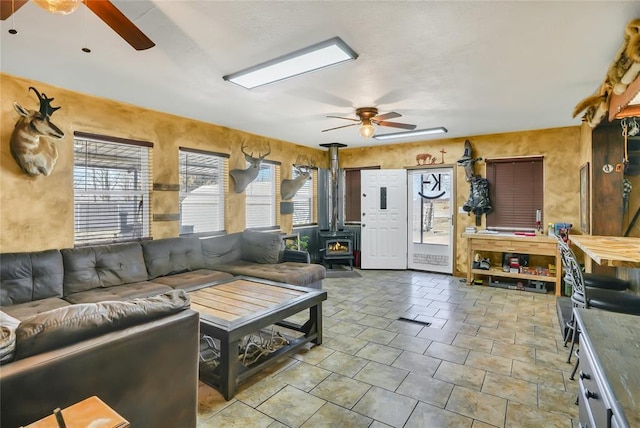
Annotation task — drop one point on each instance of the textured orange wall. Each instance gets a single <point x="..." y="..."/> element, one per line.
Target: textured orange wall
<point x="37" y="213"/>
<point x="562" y="159"/>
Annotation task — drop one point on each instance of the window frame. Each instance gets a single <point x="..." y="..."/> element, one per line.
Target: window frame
<point x="312" y="185"/>
<point x="521" y="181"/>
<point x="222" y="186"/>
<point x="138" y="230"/>
<point x="275" y="166"/>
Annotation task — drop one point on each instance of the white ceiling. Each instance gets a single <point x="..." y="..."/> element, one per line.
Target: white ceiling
<point x="473" y="67"/>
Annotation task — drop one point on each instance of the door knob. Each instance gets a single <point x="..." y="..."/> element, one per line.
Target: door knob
<point x="363" y="225"/>
<point x="364" y="214"/>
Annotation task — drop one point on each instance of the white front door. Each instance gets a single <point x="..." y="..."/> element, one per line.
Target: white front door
<point x="430" y="208"/>
<point x="384" y="219"/>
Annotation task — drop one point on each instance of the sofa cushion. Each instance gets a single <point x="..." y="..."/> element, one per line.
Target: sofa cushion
<point x="8" y="326"/>
<point x="262" y="247"/>
<point x="122" y="292"/>
<point x="172" y="255"/>
<point x="194" y="280"/>
<point x="26" y="310"/>
<point x="71" y="324"/>
<point x="222" y="249"/>
<point x="97" y="266"/>
<point x="30" y="276"/>
<point x="301" y="274"/>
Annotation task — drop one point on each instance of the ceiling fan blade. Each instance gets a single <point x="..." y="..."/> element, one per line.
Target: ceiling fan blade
<point x="390" y="115"/>
<point x="345" y="118"/>
<point x="338" y="127"/>
<point x="395" y="125"/>
<point x="7" y="8"/>
<point x="115" y="19"/>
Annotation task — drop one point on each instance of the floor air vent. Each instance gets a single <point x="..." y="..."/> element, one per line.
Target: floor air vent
<point x="424" y="323"/>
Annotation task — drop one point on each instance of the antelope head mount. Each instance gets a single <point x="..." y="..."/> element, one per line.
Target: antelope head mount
<point x="244" y="177"/>
<point x="290" y="187"/>
<point x="32" y="152"/>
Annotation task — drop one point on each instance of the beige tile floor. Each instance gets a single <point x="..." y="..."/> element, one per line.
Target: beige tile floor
<point x="491" y="358"/>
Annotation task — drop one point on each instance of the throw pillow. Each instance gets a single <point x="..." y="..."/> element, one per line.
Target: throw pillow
<point x="261" y="247"/>
<point x="71" y="324"/>
<point x="8" y="326"/>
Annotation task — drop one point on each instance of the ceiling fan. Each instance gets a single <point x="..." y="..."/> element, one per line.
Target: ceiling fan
<point x="105" y="10"/>
<point x="368" y="116"/>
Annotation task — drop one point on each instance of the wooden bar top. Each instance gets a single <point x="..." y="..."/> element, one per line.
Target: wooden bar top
<point x="610" y="250"/>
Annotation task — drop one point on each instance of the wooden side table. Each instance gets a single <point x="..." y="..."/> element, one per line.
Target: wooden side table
<point x="90" y="412"/>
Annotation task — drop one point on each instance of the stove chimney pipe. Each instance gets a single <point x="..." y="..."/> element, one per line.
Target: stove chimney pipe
<point x="334" y="171"/>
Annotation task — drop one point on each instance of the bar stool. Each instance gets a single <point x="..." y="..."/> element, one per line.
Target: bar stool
<point x="587" y="297"/>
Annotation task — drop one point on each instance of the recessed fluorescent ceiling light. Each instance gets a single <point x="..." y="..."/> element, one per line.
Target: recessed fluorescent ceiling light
<point x="429" y="131"/>
<point x="321" y="55"/>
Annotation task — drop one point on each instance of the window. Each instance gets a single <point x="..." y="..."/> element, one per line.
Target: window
<point x="515" y="192"/>
<point x="303" y="200"/>
<point x="352" y="194"/>
<point x="202" y="191"/>
<point x="112" y="188"/>
<point x="261" y="197"/>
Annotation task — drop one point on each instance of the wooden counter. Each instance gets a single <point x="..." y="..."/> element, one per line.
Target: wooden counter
<point x="509" y="243"/>
<point x="609" y="368"/>
<point x="609" y="250"/>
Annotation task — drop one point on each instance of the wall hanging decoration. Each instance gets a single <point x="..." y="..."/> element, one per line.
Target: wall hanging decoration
<point x="289" y="187"/>
<point x="243" y="177"/>
<point x="429" y="159"/>
<point x="478" y="201"/>
<point x="624" y="69"/>
<point x="31" y="149"/>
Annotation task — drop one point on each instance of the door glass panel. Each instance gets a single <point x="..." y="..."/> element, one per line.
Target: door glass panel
<point x="431" y="199"/>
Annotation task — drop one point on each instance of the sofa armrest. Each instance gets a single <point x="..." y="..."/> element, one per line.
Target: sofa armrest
<point x="296" y="256"/>
<point x="128" y="369"/>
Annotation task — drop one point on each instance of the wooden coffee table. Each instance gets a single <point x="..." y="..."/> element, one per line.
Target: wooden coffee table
<point x="241" y="306"/>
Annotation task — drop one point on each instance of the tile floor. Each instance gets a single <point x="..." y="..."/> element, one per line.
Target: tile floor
<point x="491" y="358"/>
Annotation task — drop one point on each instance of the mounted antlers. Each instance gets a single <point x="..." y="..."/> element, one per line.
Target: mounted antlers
<point x="33" y="154"/>
<point x="289" y="187"/>
<point x="243" y="177"/>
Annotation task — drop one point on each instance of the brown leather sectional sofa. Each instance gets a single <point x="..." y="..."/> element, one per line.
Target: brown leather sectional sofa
<point x="148" y="371"/>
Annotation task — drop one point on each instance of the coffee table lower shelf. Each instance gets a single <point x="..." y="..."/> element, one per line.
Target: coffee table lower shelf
<point x="214" y="379"/>
<point x="244" y="306"/>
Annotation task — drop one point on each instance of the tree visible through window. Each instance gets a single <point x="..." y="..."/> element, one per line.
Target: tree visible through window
<point x="112" y="188"/>
<point x="515" y="191"/>
<point x="202" y="191"/>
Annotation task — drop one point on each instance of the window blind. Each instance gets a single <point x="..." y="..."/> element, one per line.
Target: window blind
<point x="261" y="198"/>
<point x="515" y="191"/>
<point x="303" y="200"/>
<point x="202" y="191"/>
<point x="112" y="189"/>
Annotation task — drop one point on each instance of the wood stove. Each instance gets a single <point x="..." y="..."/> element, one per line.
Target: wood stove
<point x="336" y="246"/>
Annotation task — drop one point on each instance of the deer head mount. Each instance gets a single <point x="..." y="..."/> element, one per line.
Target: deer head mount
<point x="32" y="152"/>
<point x="244" y="177"/>
<point x="289" y="187"/>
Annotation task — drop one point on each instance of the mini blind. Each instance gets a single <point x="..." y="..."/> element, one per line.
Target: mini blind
<point x="112" y="189"/>
<point x="202" y="191"/>
<point x="515" y="191"/>
<point x="303" y="200"/>
<point x="261" y="198"/>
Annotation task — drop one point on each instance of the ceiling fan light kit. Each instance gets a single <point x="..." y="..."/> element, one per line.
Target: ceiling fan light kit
<point x="316" y="57"/>
<point x="367" y="130"/>
<point x="418" y="132"/>
<point x="62" y="7"/>
<point x="367" y="117"/>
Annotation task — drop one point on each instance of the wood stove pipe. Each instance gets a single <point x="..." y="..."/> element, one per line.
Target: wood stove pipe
<point x="334" y="170"/>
